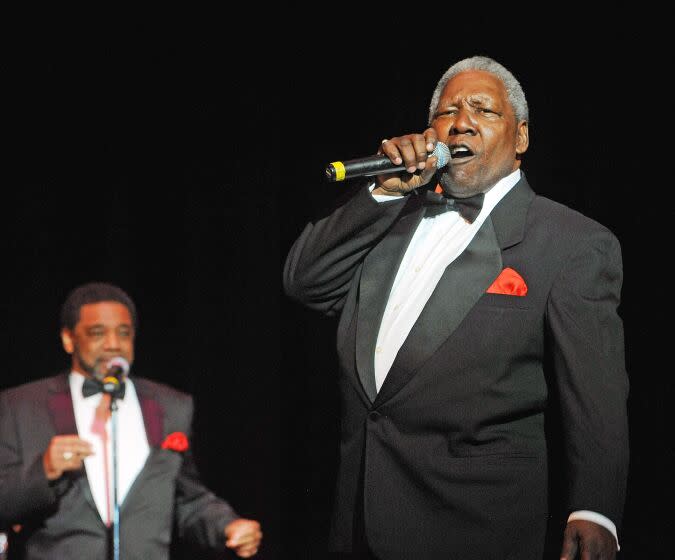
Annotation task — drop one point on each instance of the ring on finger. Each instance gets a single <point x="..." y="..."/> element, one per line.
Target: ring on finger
<point x="67" y="455"/>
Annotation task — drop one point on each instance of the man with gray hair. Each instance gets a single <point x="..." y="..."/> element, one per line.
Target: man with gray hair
<point x="474" y="315"/>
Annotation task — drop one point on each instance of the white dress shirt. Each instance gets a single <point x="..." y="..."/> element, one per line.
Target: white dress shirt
<point x="133" y="448"/>
<point x="437" y="241"/>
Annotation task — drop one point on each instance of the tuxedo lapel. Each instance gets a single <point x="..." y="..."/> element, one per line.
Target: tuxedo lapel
<point x="60" y="405"/>
<point x="461" y="286"/>
<point x="463" y="282"/>
<point x="510" y="215"/>
<point x="153" y="413"/>
<point x="135" y="493"/>
<point x="153" y="419"/>
<point x="377" y="278"/>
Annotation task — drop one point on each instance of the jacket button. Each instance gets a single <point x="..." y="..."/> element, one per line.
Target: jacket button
<point x="374" y="415"/>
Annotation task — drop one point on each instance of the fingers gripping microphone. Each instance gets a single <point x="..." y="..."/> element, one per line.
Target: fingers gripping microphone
<point x="116" y="371"/>
<point x="375" y="165"/>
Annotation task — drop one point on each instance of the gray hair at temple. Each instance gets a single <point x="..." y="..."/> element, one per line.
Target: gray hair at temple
<point x="513" y="88"/>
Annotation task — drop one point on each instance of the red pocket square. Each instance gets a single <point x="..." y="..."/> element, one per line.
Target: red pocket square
<point x="509" y="283"/>
<point x="177" y="441"/>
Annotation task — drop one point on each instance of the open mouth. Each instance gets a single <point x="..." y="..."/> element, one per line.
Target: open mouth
<point x="459" y="152"/>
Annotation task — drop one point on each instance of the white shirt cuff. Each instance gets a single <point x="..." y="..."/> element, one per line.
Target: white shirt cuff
<point x="598" y="518"/>
<point x="383" y="197"/>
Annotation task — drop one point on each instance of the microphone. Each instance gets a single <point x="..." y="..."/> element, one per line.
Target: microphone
<point x="117" y="369"/>
<point x="375" y="165"/>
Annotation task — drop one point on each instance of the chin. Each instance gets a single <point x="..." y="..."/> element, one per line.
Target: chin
<point x="460" y="187"/>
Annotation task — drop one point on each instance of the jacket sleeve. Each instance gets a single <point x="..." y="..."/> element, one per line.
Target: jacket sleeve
<point x="322" y="262"/>
<point x="200" y="515"/>
<point x="25" y="491"/>
<point x="589" y="371"/>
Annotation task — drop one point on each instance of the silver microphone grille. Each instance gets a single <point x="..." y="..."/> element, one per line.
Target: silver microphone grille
<point x="442" y="152"/>
<point x="120" y="364"/>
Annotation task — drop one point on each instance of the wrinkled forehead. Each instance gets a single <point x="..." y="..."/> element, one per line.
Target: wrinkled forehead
<point x="475" y="85"/>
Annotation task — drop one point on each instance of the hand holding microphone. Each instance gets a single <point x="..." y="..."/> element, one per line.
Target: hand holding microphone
<point x="419" y="155"/>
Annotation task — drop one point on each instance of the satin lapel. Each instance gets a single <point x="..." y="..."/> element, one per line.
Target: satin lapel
<point x="60" y="404"/>
<point x="135" y="492"/>
<point x="153" y="418"/>
<point x="377" y="278"/>
<point x="510" y="215"/>
<point x="153" y="413"/>
<point x="462" y="284"/>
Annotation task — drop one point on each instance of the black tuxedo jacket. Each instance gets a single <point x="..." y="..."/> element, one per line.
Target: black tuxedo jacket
<point x="60" y="519"/>
<point x="449" y="459"/>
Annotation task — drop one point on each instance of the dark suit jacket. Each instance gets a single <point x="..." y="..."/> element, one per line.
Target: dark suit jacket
<point x="452" y="452"/>
<point x="61" y="520"/>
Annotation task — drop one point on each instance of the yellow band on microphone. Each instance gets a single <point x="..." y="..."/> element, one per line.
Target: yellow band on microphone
<point x="339" y="170"/>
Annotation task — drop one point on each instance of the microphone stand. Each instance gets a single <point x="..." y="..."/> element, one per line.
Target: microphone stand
<point x="114" y="393"/>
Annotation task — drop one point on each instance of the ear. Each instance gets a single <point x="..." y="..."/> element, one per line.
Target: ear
<point x="522" y="138"/>
<point x="67" y="340"/>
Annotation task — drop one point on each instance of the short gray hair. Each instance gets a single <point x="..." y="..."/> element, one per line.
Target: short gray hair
<point x="513" y="88"/>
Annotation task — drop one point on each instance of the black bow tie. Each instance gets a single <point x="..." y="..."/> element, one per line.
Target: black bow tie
<point x="92" y="386"/>
<point x="468" y="208"/>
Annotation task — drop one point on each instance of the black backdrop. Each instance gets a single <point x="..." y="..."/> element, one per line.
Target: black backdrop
<point x="178" y="160"/>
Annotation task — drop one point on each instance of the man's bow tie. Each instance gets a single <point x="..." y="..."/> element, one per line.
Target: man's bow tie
<point x="92" y="386"/>
<point x="437" y="203"/>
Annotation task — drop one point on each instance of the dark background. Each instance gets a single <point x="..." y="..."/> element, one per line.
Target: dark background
<point x="180" y="159"/>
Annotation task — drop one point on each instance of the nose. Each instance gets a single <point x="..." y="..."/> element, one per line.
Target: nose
<point x="463" y="123"/>
<point x="112" y="340"/>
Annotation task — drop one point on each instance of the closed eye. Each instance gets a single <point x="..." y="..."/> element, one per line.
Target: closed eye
<point x="488" y="112"/>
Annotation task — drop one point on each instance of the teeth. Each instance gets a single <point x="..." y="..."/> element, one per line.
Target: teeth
<point x="459" y="150"/>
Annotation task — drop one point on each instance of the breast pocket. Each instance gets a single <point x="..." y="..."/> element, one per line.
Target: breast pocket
<point x="504" y="301"/>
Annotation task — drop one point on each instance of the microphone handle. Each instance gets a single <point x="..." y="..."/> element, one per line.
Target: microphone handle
<point x="111" y="384"/>
<point x="362" y="167"/>
<point x="377" y="164"/>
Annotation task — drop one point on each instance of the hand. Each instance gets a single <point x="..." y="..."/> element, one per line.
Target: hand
<point x="243" y="536"/>
<point x="412" y="151"/>
<point x="65" y="453"/>
<point x="586" y="540"/>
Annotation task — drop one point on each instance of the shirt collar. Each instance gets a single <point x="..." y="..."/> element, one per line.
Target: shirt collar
<point x="496" y="193"/>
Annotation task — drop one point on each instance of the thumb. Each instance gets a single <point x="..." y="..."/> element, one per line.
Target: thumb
<point x="232" y="534"/>
<point x="428" y="172"/>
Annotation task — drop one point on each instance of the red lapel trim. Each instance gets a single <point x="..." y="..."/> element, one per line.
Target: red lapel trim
<point x="60" y="405"/>
<point x="153" y="417"/>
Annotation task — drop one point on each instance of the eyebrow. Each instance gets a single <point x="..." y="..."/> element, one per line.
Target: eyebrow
<point x="101" y="326"/>
<point x="476" y="99"/>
